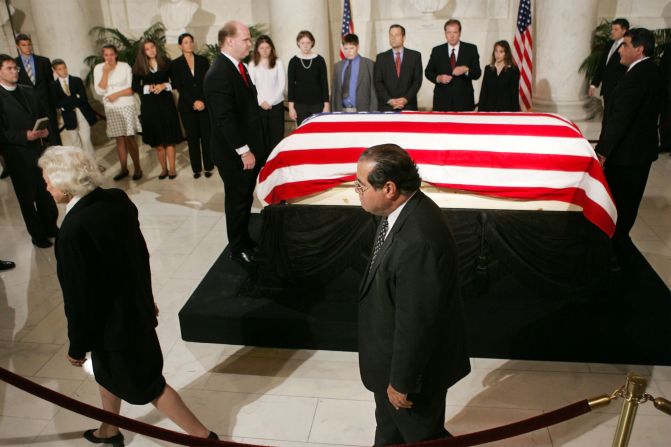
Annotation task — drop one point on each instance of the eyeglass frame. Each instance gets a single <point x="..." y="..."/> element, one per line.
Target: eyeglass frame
<point x="359" y="188"/>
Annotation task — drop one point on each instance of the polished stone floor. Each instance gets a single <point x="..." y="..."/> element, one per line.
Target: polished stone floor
<point x="276" y="396"/>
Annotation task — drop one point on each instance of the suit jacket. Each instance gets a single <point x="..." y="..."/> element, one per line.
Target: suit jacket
<point x="234" y="114"/>
<point x="366" y="99"/>
<point x="608" y="73"/>
<point x="43" y="77"/>
<point x="15" y="120"/>
<point x="103" y="269"/>
<point x="457" y="96"/>
<point x="190" y="86"/>
<point x="411" y="322"/>
<point x="388" y="85"/>
<point x="629" y="136"/>
<point x="67" y="104"/>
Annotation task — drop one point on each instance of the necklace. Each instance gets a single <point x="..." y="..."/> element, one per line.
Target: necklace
<point x="309" y="64"/>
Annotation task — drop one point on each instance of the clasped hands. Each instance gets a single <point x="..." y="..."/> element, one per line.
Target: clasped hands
<point x="156" y="88"/>
<point x="457" y="71"/>
<point x="397" y="399"/>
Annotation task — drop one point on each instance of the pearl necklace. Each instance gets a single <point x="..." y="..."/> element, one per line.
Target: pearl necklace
<point x="309" y="65"/>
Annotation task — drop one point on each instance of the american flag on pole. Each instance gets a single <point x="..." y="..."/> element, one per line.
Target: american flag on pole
<point x="523" y="52"/>
<point x="520" y="156"/>
<point x="347" y="24"/>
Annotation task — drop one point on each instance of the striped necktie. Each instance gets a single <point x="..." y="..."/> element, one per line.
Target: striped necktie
<point x="379" y="239"/>
<point x="30" y="72"/>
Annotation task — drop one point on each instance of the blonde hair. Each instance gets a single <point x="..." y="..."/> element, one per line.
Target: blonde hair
<point x="70" y="169"/>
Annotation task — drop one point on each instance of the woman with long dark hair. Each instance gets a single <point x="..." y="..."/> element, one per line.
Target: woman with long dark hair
<point x="267" y="73"/>
<point x="160" y="123"/>
<point x="501" y="82"/>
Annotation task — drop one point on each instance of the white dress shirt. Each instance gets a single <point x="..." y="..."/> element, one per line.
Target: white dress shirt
<point x="269" y="82"/>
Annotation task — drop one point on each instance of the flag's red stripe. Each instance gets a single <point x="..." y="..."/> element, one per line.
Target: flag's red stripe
<point x="438" y="128"/>
<point x="292" y="190"/>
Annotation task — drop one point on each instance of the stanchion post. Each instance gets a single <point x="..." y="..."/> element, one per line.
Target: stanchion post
<point x="633" y="393"/>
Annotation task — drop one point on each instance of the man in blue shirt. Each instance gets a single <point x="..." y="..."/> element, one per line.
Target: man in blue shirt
<point x="352" y="89"/>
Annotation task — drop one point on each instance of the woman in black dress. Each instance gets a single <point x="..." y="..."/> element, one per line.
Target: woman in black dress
<point x="103" y="269"/>
<point x="158" y="115"/>
<point x="307" y="80"/>
<point x="187" y="73"/>
<point x="501" y="82"/>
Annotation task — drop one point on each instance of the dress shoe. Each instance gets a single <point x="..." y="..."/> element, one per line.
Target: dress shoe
<point x="247" y="257"/>
<point x="196" y="175"/>
<point x="42" y="243"/>
<point x="137" y="175"/>
<point x="213" y="435"/>
<point x="7" y="265"/>
<point x="172" y="176"/>
<point x="120" y="175"/>
<point x="208" y="174"/>
<point x="115" y="441"/>
<point x="162" y="175"/>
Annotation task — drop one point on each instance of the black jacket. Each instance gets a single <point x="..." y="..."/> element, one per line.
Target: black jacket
<point x="43" y="77"/>
<point x="411" y="321"/>
<point x="388" y="85"/>
<point x="457" y="96"/>
<point x="103" y="269"/>
<point x="629" y="136"/>
<point x="607" y="74"/>
<point x="190" y="86"/>
<point x="500" y="92"/>
<point x="16" y="120"/>
<point x="77" y="99"/>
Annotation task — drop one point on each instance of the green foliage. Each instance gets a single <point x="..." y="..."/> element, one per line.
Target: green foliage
<point x="127" y="47"/>
<point x="211" y="50"/>
<point x="601" y="39"/>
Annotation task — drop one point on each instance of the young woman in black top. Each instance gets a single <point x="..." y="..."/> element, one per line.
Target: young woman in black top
<point x="501" y="82"/>
<point x="308" y="82"/>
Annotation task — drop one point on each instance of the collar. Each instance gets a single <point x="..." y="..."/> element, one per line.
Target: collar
<point x="231" y="58"/>
<point x="73" y="201"/>
<point x="8" y="88"/>
<point x="311" y="55"/>
<point x="26" y="58"/>
<point x="65" y="79"/>
<point x="400" y="51"/>
<point x="636" y="62"/>
<point x="456" y="47"/>
<point x="393" y="217"/>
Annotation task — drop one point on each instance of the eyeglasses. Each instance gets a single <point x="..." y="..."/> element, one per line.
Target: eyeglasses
<point x="359" y="188"/>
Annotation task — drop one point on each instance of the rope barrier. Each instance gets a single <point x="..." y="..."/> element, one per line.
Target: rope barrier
<point x="471" y="439"/>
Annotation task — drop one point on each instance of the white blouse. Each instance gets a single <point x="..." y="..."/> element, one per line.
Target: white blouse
<point x="269" y="82"/>
<point x="119" y="79"/>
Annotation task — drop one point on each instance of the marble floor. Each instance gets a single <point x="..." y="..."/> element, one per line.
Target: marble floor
<point x="277" y="396"/>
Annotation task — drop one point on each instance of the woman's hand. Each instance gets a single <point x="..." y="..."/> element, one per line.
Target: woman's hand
<point x="292" y="112"/>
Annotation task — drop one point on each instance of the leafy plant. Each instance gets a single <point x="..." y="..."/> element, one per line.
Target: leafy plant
<point x="127" y="47"/>
<point x="211" y="50"/>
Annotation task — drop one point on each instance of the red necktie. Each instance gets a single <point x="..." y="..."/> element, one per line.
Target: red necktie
<point x="453" y="60"/>
<point x="242" y="73"/>
<point x="397" y="62"/>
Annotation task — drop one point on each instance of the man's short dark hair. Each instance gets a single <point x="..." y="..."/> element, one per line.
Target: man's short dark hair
<point x="352" y="39"/>
<point x="392" y="164"/>
<point x="624" y="23"/>
<point x="22" y="37"/>
<point x="230" y="29"/>
<point x="56" y="62"/>
<point x="4" y="58"/>
<point x="642" y="36"/>
<point x="182" y="36"/>
<point x="396" y="25"/>
<point x="452" y="22"/>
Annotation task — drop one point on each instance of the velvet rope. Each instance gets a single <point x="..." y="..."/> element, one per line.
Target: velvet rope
<point x="471" y="439"/>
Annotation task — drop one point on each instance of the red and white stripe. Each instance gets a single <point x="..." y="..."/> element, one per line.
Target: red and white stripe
<point x="523" y="52"/>
<point x="524" y="156"/>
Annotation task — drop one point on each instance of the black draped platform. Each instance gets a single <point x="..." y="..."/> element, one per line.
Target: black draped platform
<point x="536" y="285"/>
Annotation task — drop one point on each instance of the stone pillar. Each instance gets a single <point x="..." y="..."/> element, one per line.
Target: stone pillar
<point x="288" y="17"/>
<point x="562" y="41"/>
<point x="62" y="31"/>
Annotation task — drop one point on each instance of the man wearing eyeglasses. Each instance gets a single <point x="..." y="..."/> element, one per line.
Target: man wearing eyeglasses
<point x="411" y="335"/>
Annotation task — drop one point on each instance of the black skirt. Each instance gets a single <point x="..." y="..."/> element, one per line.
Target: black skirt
<point x="134" y="374"/>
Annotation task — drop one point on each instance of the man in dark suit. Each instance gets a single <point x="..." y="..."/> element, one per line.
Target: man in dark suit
<point x="237" y="149"/>
<point x="398" y="74"/>
<point x="453" y="66"/>
<point x="665" y="119"/>
<point x="69" y="95"/>
<point x="610" y="70"/>
<point x="19" y="110"/>
<point x="411" y="329"/>
<point x="628" y="142"/>
<point x="35" y="71"/>
<point x="352" y="88"/>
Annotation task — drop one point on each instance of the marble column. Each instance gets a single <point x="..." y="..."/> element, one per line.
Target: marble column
<point x="62" y="31"/>
<point x="563" y="33"/>
<point x="288" y="17"/>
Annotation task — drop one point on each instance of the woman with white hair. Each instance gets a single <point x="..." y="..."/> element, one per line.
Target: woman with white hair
<point x="103" y="269"/>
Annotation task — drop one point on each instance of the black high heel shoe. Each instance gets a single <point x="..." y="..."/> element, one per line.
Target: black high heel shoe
<point x="162" y="175"/>
<point x="114" y="441"/>
<point x="120" y="175"/>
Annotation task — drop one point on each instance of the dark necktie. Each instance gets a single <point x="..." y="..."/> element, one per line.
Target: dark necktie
<point x="453" y="60"/>
<point x="242" y="73"/>
<point x="345" y="81"/>
<point x="397" y="62"/>
<point x="379" y="239"/>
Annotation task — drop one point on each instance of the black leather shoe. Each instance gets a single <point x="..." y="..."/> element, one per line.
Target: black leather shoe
<point x="196" y="175"/>
<point x="137" y="175"/>
<point x="247" y="257"/>
<point x="208" y="174"/>
<point x="42" y="243"/>
<point x="213" y="435"/>
<point x="115" y="441"/>
<point x="120" y="175"/>
<point x="172" y="176"/>
<point x="162" y="175"/>
<point x="7" y="265"/>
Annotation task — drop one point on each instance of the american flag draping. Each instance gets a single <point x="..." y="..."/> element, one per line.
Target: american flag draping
<point x="523" y="52"/>
<point x="524" y="156"/>
<point x="347" y="24"/>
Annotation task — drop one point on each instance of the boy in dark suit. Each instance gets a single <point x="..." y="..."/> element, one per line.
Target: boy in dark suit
<point x="69" y="96"/>
<point x="610" y="70"/>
